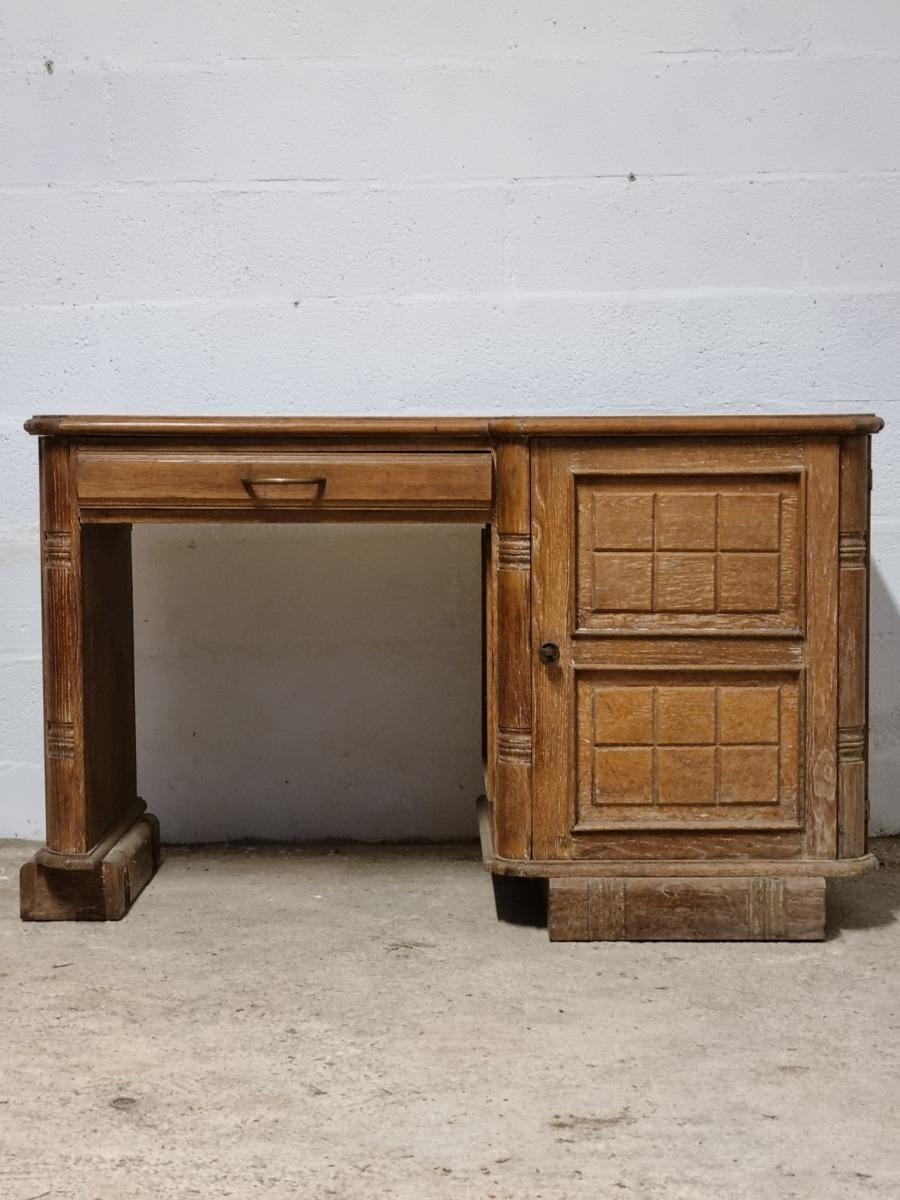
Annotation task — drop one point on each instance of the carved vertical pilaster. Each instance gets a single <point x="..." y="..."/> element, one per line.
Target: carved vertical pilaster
<point x="853" y="635"/>
<point x="512" y="663"/>
<point x="63" y="668"/>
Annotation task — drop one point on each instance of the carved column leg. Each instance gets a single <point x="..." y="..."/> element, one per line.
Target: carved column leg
<point x="853" y="634"/>
<point x="101" y="847"/>
<point x="512" y="658"/>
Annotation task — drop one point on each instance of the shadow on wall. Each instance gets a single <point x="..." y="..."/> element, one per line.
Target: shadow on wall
<point x="884" y="706"/>
<point x="315" y="681"/>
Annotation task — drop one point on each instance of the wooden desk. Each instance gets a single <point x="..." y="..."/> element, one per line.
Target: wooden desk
<point x="676" y="641"/>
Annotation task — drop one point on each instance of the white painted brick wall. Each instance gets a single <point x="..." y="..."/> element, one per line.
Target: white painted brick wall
<point x="421" y="208"/>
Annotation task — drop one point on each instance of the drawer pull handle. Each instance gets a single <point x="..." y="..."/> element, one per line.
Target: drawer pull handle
<point x="250" y="485"/>
<point x="549" y="652"/>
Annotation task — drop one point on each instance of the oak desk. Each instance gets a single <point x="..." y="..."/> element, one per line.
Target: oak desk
<point x="675" y="644"/>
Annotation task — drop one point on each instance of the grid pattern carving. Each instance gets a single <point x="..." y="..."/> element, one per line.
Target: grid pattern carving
<point x="705" y="746"/>
<point x="686" y="551"/>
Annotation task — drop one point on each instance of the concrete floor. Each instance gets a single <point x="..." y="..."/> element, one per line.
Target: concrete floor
<point x="297" y="1023"/>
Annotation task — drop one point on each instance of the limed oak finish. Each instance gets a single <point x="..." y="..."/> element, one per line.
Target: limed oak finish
<point x="675" y="645"/>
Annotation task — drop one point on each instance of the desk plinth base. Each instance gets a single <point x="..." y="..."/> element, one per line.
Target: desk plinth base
<point x="98" y="887"/>
<point x="665" y="901"/>
<point x="737" y="909"/>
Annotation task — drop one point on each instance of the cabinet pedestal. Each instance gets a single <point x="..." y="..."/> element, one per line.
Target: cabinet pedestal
<point x="760" y="909"/>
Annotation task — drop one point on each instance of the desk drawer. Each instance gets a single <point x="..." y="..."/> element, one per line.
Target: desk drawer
<point x="231" y="479"/>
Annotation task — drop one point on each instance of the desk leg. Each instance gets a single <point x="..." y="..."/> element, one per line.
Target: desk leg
<point x="101" y="847"/>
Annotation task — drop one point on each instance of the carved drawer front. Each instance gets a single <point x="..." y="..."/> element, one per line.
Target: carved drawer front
<point x="262" y="480"/>
<point x="664" y="749"/>
<point x="688" y="554"/>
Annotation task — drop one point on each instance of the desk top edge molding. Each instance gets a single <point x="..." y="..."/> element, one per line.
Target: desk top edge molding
<point x="113" y="426"/>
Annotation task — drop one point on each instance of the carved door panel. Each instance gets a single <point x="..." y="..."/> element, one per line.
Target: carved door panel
<point x="690" y="587"/>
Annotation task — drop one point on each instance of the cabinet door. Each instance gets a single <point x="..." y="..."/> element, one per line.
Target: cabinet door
<point x="691" y="588"/>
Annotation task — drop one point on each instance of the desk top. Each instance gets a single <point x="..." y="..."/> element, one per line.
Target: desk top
<point x="464" y="427"/>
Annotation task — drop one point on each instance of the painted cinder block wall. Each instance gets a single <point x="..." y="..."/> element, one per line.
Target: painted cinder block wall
<point x="416" y="207"/>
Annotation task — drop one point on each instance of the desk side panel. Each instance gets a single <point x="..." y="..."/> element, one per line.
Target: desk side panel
<point x="88" y="664"/>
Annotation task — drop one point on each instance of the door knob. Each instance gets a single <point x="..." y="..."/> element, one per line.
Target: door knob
<point x="549" y="652"/>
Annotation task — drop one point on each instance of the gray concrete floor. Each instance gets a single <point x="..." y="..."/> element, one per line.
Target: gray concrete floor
<point x="282" y="1023"/>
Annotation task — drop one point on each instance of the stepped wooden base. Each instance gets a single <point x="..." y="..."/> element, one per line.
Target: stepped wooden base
<point x="91" y="887"/>
<point x="759" y="906"/>
<point x="760" y="909"/>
